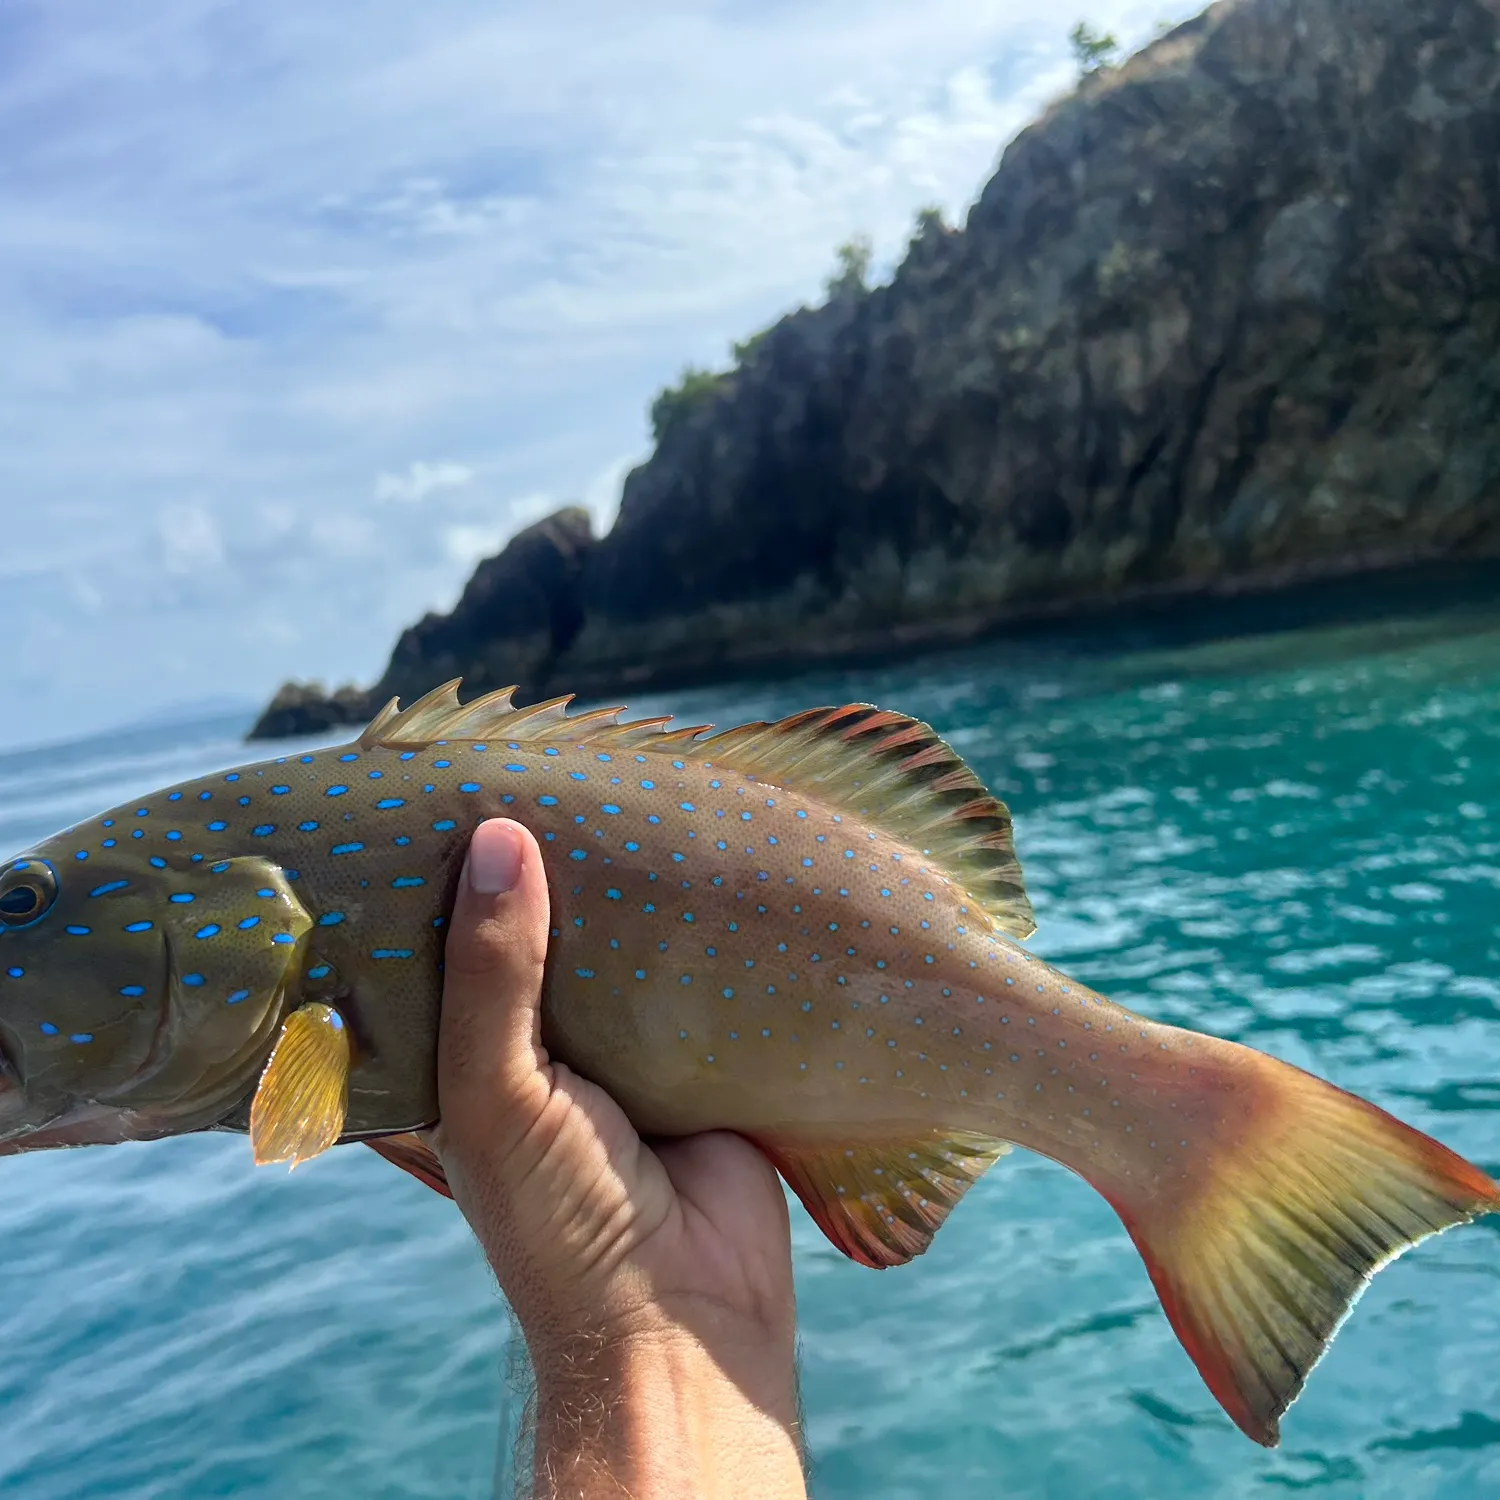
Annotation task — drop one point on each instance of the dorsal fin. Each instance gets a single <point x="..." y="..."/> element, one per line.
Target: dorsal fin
<point x="890" y="770"/>
<point x="896" y="774"/>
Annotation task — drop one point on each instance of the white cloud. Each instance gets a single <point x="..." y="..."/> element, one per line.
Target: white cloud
<point x="190" y="542"/>
<point x="420" y="480"/>
<point x="254" y="256"/>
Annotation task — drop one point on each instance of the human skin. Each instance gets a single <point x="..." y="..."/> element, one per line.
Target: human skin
<point x="653" y="1284"/>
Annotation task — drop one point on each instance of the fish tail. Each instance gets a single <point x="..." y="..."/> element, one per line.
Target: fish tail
<point x="1304" y="1193"/>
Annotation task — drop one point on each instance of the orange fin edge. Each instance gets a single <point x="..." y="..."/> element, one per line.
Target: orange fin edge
<point x="412" y="1154"/>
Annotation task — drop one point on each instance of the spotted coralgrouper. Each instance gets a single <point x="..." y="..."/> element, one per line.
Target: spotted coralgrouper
<point x="808" y="932"/>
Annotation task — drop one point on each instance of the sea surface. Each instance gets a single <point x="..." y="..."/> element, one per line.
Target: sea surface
<point x="1278" y="823"/>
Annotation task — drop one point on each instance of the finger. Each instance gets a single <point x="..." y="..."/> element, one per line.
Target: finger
<point x="493" y="965"/>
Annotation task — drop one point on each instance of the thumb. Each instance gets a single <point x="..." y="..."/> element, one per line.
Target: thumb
<point x="489" y="1050"/>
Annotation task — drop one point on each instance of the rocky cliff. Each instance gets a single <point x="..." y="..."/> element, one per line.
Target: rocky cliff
<point x="1228" y="315"/>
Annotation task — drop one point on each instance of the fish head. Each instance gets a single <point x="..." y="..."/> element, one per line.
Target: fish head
<point x="109" y="1028"/>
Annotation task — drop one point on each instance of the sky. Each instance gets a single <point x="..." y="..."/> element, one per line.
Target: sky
<point x="306" y="308"/>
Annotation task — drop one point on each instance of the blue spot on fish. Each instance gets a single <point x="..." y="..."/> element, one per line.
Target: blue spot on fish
<point x="137" y="927"/>
<point x="353" y="848"/>
<point x="320" y="971"/>
<point x="261" y="830"/>
<point x="81" y="1037"/>
<point x="212" y="930"/>
<point x="330" y="919"/>
<point x="514" y="765"/>
<point x="248" y="923"/>
<point x="218" y="826"/>
<point x="443" y="825"/>
<point x="609" y="809"/>
<point x="391" y="802"/>
<point x="193" y="979"/>
<point x="631" y="845"/>
<point x="687" y="807"/>
<point x="403" y="882"/>
<point x="280" y="791"/>
<point x="468" y="786"/>
<point x="578" y="854"/>
<point x="547" y="800"/>
<point x="77" y="931"/>
<point x="442" y="765"/>
<point x="352" y="755"/>
<point x="309" y="826"/>
<point x="584" y="973"/>
<point x="113" y="885"/>
<point x="16" y="972"/>
<point x="282" y="937"/>
<point x="48" y="1029"/>
<point x="236" y="997"/>
<point x="578" y="775"/>
<point x="337" y="790"/>
<point x="391" y="952"/>
<point x="611" y="894"/>
<point x="182" y="898"/>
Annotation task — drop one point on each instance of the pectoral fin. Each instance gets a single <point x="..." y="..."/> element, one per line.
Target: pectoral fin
<point x="300" y="1103"/>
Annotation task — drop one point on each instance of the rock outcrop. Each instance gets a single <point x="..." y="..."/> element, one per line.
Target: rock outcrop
<point x="1227" y="316"/>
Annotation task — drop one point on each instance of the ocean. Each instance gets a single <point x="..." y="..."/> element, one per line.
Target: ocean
<point x="1278" y="821"/>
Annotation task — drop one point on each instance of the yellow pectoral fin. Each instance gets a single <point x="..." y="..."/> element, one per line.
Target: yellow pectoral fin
<point x="300" y="1102"/>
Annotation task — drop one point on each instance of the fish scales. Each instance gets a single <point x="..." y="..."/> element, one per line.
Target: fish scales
<point x="801" y="931"/>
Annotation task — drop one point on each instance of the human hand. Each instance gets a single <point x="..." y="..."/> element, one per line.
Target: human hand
<point x="653" y="1287"/>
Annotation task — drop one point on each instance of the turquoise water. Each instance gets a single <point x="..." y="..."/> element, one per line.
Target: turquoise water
<point x="1289" y="837"/>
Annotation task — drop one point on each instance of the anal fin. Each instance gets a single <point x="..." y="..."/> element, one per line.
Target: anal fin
<point x="412" y="1154"/>
<point x="882" y="1202"/>
<point x="300" y="1102"/>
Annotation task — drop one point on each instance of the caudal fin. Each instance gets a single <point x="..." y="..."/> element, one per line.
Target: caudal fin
<point x="1260" y="1261"/>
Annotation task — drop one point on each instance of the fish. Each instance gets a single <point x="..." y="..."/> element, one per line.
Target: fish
<point x="809" y="932"/>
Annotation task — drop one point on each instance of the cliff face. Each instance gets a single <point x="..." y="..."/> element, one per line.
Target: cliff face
<point x="1228" y="315"/>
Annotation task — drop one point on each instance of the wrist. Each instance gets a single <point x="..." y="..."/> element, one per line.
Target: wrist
<point x="700" y="1408"/>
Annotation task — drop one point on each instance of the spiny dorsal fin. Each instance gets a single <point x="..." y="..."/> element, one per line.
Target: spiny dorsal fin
<point x="890" y="770"/>
<point x="881" y="1203"/>
<point x="439" y="715"/>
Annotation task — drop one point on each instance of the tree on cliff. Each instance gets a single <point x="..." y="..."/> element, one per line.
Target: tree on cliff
<point x="673" y="402"/>
<point x="853" y="258"/>
<point x="1092" y="50"/>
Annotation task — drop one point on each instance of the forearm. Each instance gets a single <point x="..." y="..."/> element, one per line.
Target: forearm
<point x="659" y="1418"/>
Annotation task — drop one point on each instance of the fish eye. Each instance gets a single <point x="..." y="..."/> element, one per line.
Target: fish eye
<point x="27" y="888"/>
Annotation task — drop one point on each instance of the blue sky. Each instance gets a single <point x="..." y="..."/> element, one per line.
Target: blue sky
<point x="305" y="308"/>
